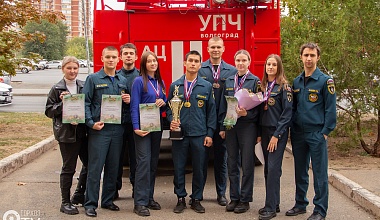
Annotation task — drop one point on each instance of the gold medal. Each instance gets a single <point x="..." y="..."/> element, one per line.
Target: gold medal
<point x="216" y="85"/>
<point x="187" y="104"/>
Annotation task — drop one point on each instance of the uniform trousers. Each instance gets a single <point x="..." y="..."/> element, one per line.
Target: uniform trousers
<point x="272" y="167"/>
<point x="240" y="142"/>
<point x="306" y="145"/>
<point x="219" y="150"/>
<point x="147" y="153"/>
<point x="129" y="145"/>
<point x="198" y="151"/>
<point x="104" y="148"/>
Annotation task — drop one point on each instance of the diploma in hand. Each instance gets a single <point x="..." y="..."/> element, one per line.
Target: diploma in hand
<point x="175" y="105"/>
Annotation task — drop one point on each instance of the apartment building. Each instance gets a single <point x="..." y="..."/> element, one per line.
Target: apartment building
<point x="78" y="14"/>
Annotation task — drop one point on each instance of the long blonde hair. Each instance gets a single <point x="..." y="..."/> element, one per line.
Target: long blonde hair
<point x="280" y="75"/>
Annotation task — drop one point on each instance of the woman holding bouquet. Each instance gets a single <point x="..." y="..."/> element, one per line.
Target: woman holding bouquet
<point x="241" y="137"/>
<point x="275" y="116"/>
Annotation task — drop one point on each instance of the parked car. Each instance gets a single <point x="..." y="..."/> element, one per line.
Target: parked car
<point x="6" y="94"/>
<point x="37" y="66"/>
<point x="43" y="63"/>
<point x="5" y="78"/>
<point x="54" y="64"/>
<point x="23" y="68"/>
<point x="82" y="63"/>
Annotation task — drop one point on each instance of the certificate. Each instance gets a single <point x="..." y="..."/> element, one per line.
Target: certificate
<point x="231" y="115"/>
<point x="73" y="109"/>
<point x="110" y="111"/>
<point x="150" y="117"/>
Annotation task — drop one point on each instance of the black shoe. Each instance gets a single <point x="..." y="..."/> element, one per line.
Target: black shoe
<point x="316" y="216"/>
<point x="111" y="207"/>
<point x="77" y="198"/>
<point x="154" y="205"/>
<point x="141" y="210"/>
<point x="267" y="215"/>
<point x="116" y="196"/>
<point x="222" y="201"/>
<point x="181" y="205"/>
<point x="263" y="209"/>
<point x="241" y="207"/>
<point x="196" y="206"/>
<point x="295" y="211"/>
<point x="91" y="212"/>
<point x="231" y="206"/>
<point x="69" y="209"/>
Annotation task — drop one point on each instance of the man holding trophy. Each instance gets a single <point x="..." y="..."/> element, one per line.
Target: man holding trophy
<point x="192" y="111"/>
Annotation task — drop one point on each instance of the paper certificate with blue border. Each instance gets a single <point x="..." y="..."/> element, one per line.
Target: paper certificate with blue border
<point x="150" y="117"/>
<point x="73" y="109"/>
<point x="110" y="111"/>
<point x="231" y="115"/>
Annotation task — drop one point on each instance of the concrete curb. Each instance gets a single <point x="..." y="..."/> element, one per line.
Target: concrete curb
<point x="17" y="160"/>
<point x="367" y="200"/>
<point x="361" y="196"/>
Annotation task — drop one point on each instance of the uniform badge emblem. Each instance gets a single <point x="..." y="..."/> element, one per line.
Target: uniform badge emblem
<point x="289" y="96"/>
<point x="313" y="97"/>
<point x="258" y="86"/>
<point x="200" y="103"/>
<point x="271" y="101"/>
<point x="331" y="86"/>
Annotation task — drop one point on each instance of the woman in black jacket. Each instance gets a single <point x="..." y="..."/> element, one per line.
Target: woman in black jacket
<point x="72" y="137"/>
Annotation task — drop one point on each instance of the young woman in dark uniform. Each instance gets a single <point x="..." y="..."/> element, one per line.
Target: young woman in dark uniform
<point x="275" y="116"/>
<point x="241" y="139"/>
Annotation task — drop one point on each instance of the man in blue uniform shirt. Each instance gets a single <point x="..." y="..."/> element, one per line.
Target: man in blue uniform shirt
<point x="104" y="140"/>
<point x="198" y="123"/>
<point x="314" y="117"/>
<point x="128" y="55"/>
<point x="216" y="71"/>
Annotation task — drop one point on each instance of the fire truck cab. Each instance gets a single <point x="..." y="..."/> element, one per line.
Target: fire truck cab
<point x="171" y="28"/>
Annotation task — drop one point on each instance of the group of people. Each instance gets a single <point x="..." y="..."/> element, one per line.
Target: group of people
<point x="307" y="107"/>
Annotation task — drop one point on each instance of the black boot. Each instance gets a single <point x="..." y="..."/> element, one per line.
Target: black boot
<point x="78" y="196"/>
<point x="66" y="206"/>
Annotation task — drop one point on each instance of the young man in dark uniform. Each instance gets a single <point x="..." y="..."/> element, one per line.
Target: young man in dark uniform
<point x="198" y="122"/>
<point x="216" y="71"/>
<point x="104" y="140"/>
<point x="314" y="117"/>
<point x="128" y="55"/>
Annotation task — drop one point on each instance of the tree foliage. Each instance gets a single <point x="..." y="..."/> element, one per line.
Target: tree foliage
<point x="50" y="43"/>
<point x="13" y="17"/>
<point x="77" y="47"/>
<point x="347" y="32"/>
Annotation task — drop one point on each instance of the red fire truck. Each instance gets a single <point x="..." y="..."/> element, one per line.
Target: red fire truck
<point x="171" y="28"/>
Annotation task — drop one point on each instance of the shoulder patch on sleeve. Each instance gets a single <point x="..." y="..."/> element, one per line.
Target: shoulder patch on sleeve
<point x="330" y="86"/>
<point x="258" y="86"/>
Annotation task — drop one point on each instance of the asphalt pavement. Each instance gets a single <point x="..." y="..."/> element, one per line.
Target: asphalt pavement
<point x="32" y="191"/>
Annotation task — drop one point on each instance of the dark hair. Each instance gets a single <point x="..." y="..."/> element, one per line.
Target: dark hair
<point x="128" y="45"/>
<point x="109" y="48"/>
<point x="144" y="70"/>
<point x="280" y="75"/>
<point x="310" y="46"/>
<point x="193" y="52"/>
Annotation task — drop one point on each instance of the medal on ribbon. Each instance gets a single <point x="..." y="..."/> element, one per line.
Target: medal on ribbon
<point x="238" y="85"/>
<point x="157" y="91"/>
<point x="267" y="93"/>
<point x="216" y="75"/>
<point x="187" y="92"/>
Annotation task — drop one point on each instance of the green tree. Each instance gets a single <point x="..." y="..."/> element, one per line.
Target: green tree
<point x="50" y="42"/>
<point x="77" y="47"/>
<point x="13" y="17"/>
<point x="347" y="32"/>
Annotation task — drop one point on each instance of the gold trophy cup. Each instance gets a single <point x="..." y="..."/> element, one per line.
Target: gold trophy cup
<point x="175" y="105"/>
